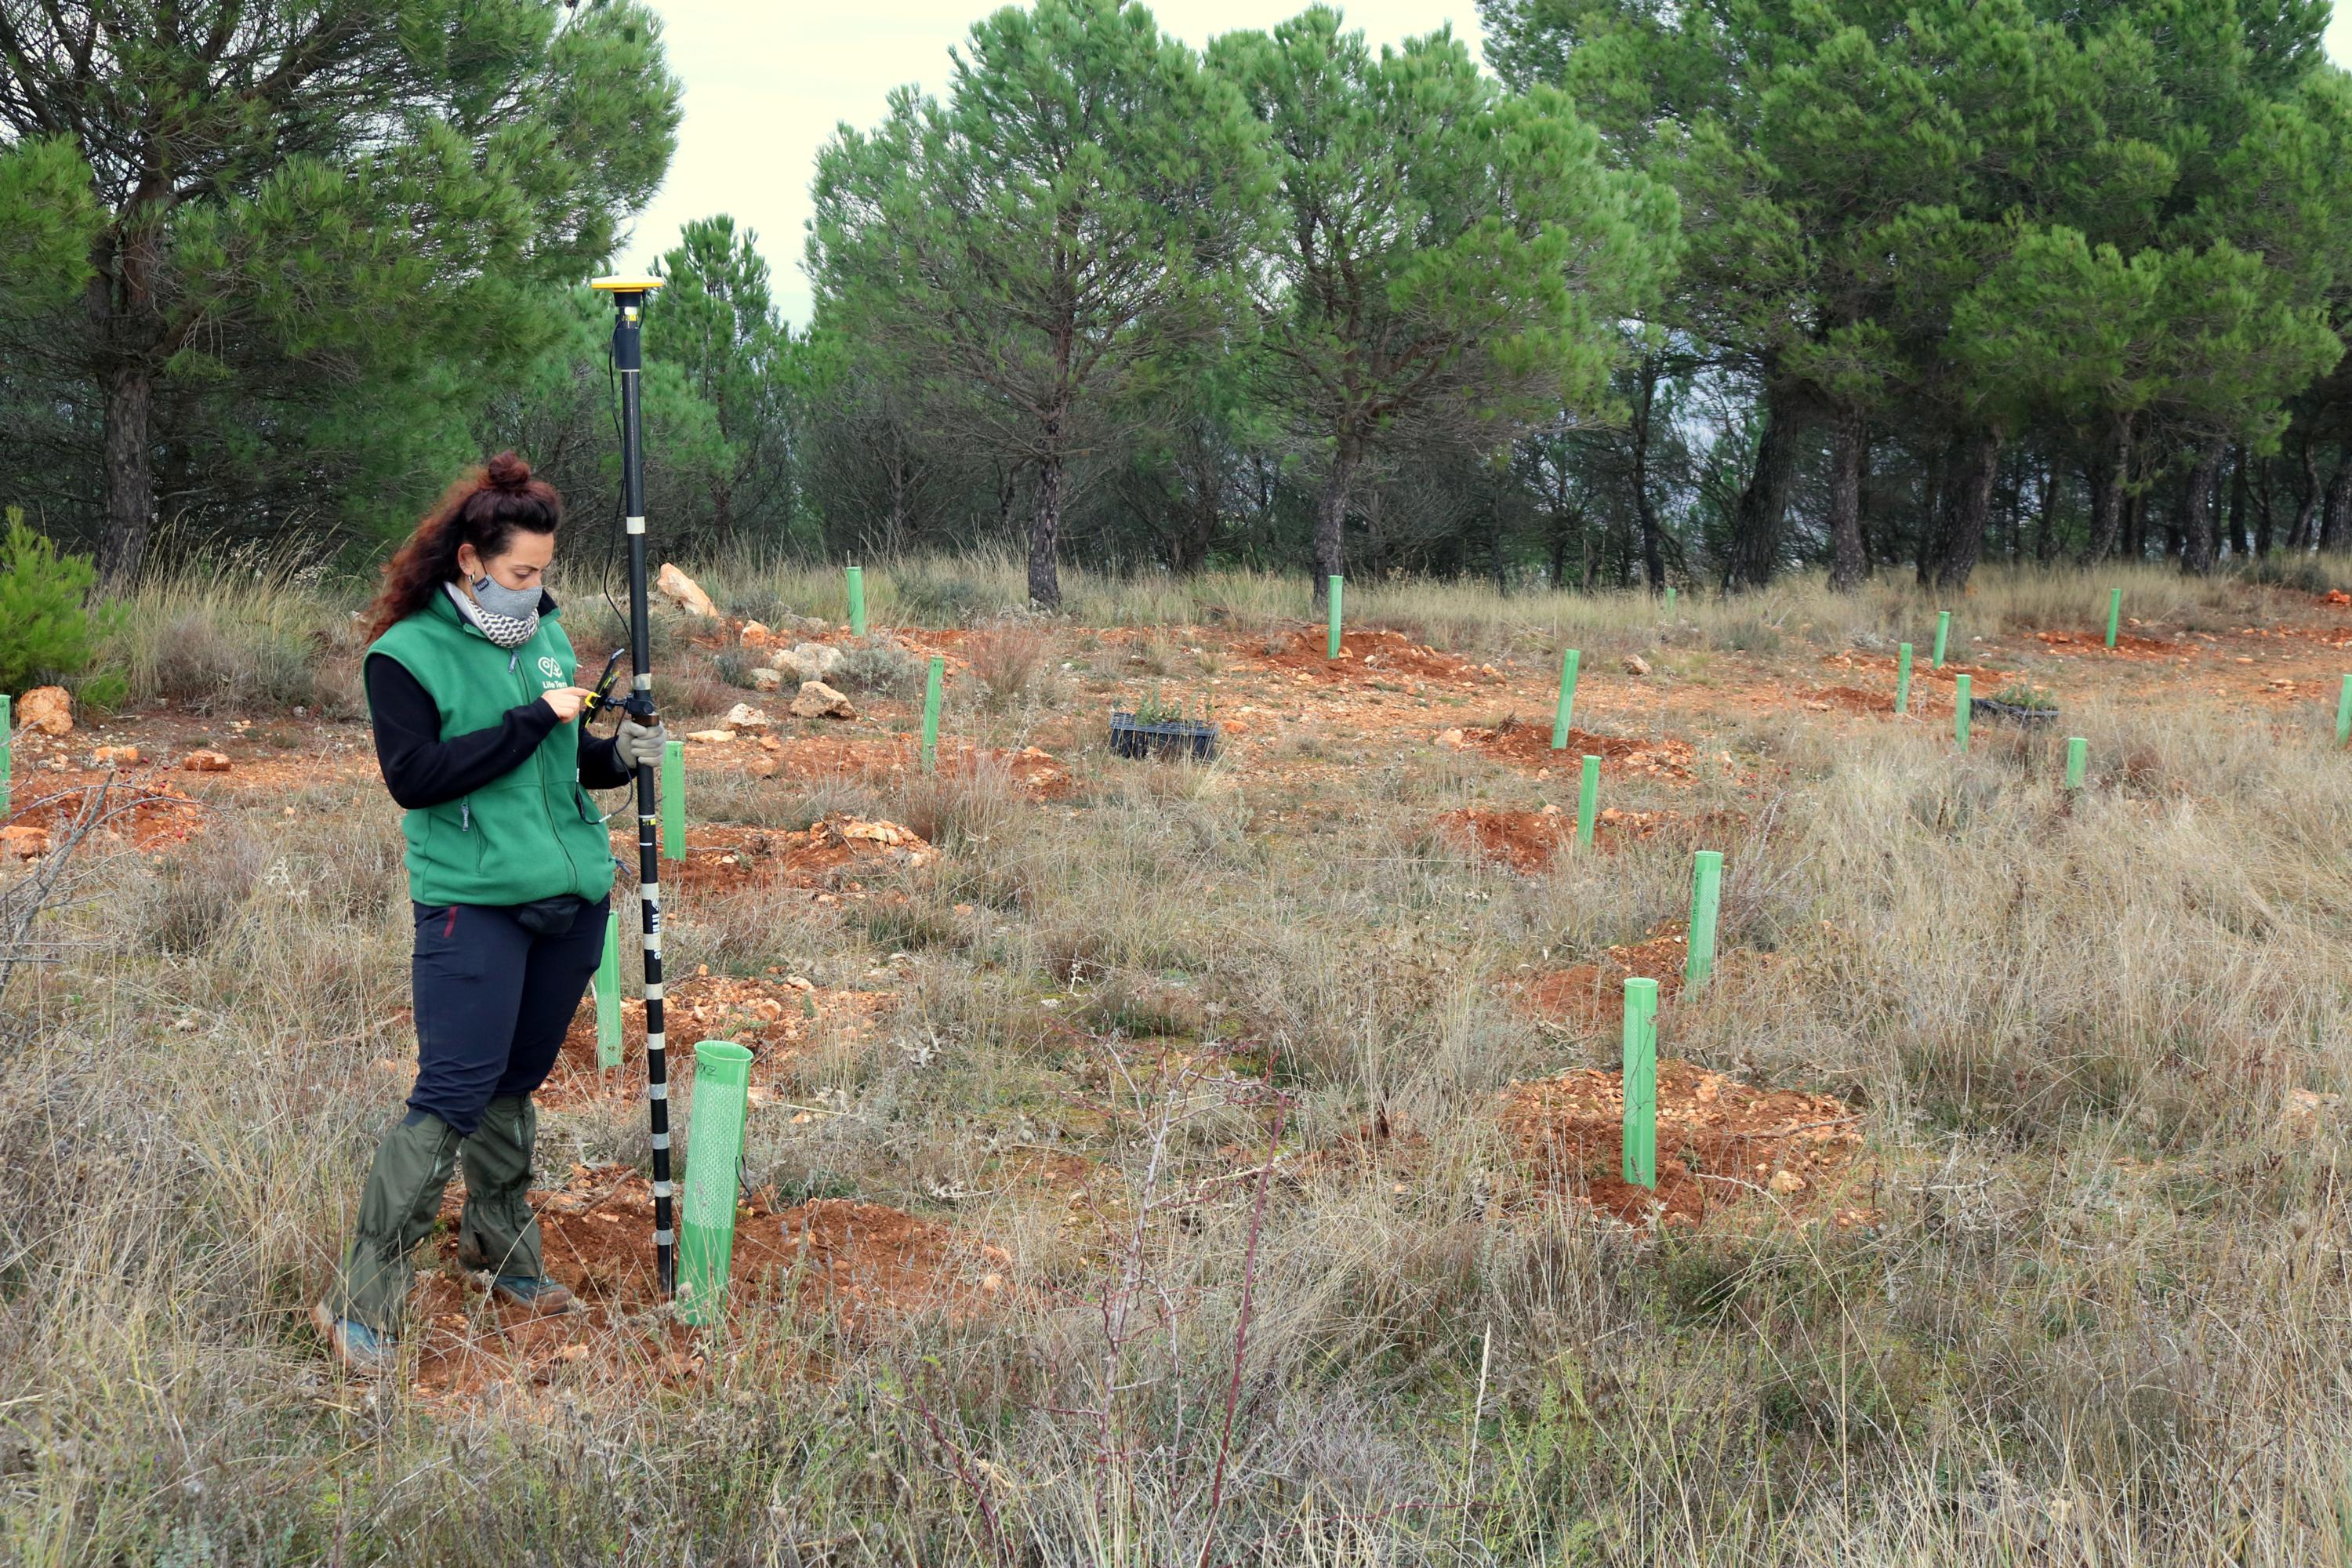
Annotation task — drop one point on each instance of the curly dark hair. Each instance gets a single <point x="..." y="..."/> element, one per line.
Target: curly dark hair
<point x="486" y="508"/>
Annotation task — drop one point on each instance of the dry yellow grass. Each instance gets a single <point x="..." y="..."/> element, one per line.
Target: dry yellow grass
<point x="2098" y="1318"/>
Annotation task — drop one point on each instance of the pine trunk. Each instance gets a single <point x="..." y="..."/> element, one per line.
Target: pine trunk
<point x="1046" y="525"/>
<point x="1935" y="524"/>
<point x="129" y="474"/>
<point x="2045" y="526"/>
<point x="2336" y="516"/>
<point x="2306" y="502"/>
<point x="1653" y="566"/>
<point x="1972" y="509"/>
<point x="1764" y="502"/>
<point x="2107" y="482"/>
<point x="1331" y="517"/>
<point x="2196" y="512"/>
<point x="2239" y="545"/>
<point x="2266" y="521"/>
<point x="1849" y="564"/>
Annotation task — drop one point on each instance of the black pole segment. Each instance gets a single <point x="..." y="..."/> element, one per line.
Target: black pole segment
<point x="628" y="361"/>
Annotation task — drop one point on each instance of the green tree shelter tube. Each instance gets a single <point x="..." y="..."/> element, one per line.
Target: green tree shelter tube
<point x="2114" y="613"/>
<point x="1902" y="679"/>
<point x="1640" y="1082"/>
<point x="1331" y="604"/>
<point x="608" y="995"/>
<point x="2343" y="715"/>
<point x="2078" y="752"/>
<point x="714" y="1156"/>
<point x="673" y="800"/>
<point x="931" y="685"/>
<point x="1706" y="903"/>
<point x="1961" y="712"/>
<point x="5" y="761"/>
<point x="855" y="576"/>
<point x="1587" y="800"/>
<point x="1943" y="634"/>
<point x="1567" y="710"/>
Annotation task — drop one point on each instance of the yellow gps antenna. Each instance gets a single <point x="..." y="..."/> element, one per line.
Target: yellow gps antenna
<point x="629" y="295"/>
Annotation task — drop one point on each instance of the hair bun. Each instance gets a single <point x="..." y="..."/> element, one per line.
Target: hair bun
<point x="507" y="472"/>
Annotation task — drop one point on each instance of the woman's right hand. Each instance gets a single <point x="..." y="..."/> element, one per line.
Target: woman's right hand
<point x="565" y="700"/>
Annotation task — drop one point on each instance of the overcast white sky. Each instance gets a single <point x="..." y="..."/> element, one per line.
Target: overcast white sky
<point x="766" y="82"/>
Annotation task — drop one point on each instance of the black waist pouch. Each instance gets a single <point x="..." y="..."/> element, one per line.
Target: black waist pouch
<point x="549" y="916"/>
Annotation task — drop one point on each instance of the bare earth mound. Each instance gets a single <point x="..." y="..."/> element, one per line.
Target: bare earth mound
<point x="1720" y="1142"/>
<point x="860" y="1262"/>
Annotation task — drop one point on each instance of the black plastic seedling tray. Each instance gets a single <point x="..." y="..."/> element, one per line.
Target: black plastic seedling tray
<point x="1176" y="738"/>
<point x="1988" y="708"/>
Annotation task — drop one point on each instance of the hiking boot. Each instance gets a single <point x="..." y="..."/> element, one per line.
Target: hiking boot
<point x="543" y="1296"/>
<point x="361" y="1349"/>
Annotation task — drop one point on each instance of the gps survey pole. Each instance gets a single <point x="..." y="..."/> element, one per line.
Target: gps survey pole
<point x="628" y="359"/>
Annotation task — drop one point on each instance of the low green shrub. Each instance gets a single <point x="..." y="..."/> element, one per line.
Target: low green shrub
<point x="879" y="668"/>
<point x="44" y="625"/>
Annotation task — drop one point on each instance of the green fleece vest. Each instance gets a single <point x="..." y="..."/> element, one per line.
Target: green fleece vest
<point x="531" y="834"/>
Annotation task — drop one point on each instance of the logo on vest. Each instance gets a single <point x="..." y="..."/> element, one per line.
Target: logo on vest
<point x="550" y="668"/>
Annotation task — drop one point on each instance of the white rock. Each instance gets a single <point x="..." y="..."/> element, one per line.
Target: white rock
<point x="767" y="681"/>
<point x="682" y="591"/>
<point x="24" y="843"/>
<point x="815" y="659"/>
<point x="1636" y="665"/>
<point x="818" y="701"/>
<point x="743" y="716"/>
<point x="48" y="709"/>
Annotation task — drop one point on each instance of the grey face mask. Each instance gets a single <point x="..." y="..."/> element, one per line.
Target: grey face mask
<point x="497" y="599"/>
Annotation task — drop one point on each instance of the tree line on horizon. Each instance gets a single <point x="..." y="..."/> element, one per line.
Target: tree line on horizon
<point x="1704" y="293"/>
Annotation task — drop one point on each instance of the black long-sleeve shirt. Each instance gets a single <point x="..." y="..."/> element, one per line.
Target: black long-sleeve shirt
<point x="422" y="769"/>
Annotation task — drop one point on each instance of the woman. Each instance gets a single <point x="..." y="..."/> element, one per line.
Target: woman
<point x="470" y="687"/>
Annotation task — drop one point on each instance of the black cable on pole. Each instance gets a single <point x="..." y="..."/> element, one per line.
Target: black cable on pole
<point x="629" y="295"/>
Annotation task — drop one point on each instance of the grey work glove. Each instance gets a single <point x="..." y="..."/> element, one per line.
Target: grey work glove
<point x="634" y="744"/>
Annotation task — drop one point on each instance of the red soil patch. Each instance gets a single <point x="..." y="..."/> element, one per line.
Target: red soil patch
<point x="138" y="810"/>
<point x="1370" y="655"/>
<point x="1527" y="840"/>
<point x="1594" y="993"/>
<point x="1720" y="1141"/>
<point x="886" y="760"/>
<point x="775" y="1019"/>
<point x="861" y="1262"/>
<point x="2331" y="636"/>
<point x="1850" y="699"/>
<point x="830" y="855"/>
<point x="1529" y="745"/>
<point x="1886" y="664"/>
<point x="2127" y="645"/>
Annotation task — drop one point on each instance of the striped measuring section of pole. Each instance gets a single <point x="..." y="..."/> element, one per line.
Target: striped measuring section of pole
<point x="629" y="297"/>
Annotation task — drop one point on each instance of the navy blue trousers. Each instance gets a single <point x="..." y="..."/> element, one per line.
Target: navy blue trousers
<point x="493" y="1002"/>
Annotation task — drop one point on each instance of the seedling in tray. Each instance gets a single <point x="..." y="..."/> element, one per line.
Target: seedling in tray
<point x="1157" y="728"/>
<point x="2019" y="702"/>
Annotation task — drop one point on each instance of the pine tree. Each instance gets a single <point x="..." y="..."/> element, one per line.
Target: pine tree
<point x="717" y="323"/>
<point x="296" y="197"/>
<point x="1025" y="250"/>
<point x="1453" y="259"/>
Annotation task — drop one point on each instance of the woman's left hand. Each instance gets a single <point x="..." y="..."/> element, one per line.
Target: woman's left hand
<point x="634" y="745"/>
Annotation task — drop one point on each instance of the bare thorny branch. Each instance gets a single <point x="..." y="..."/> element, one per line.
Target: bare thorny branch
<point x="48" y="883"/>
